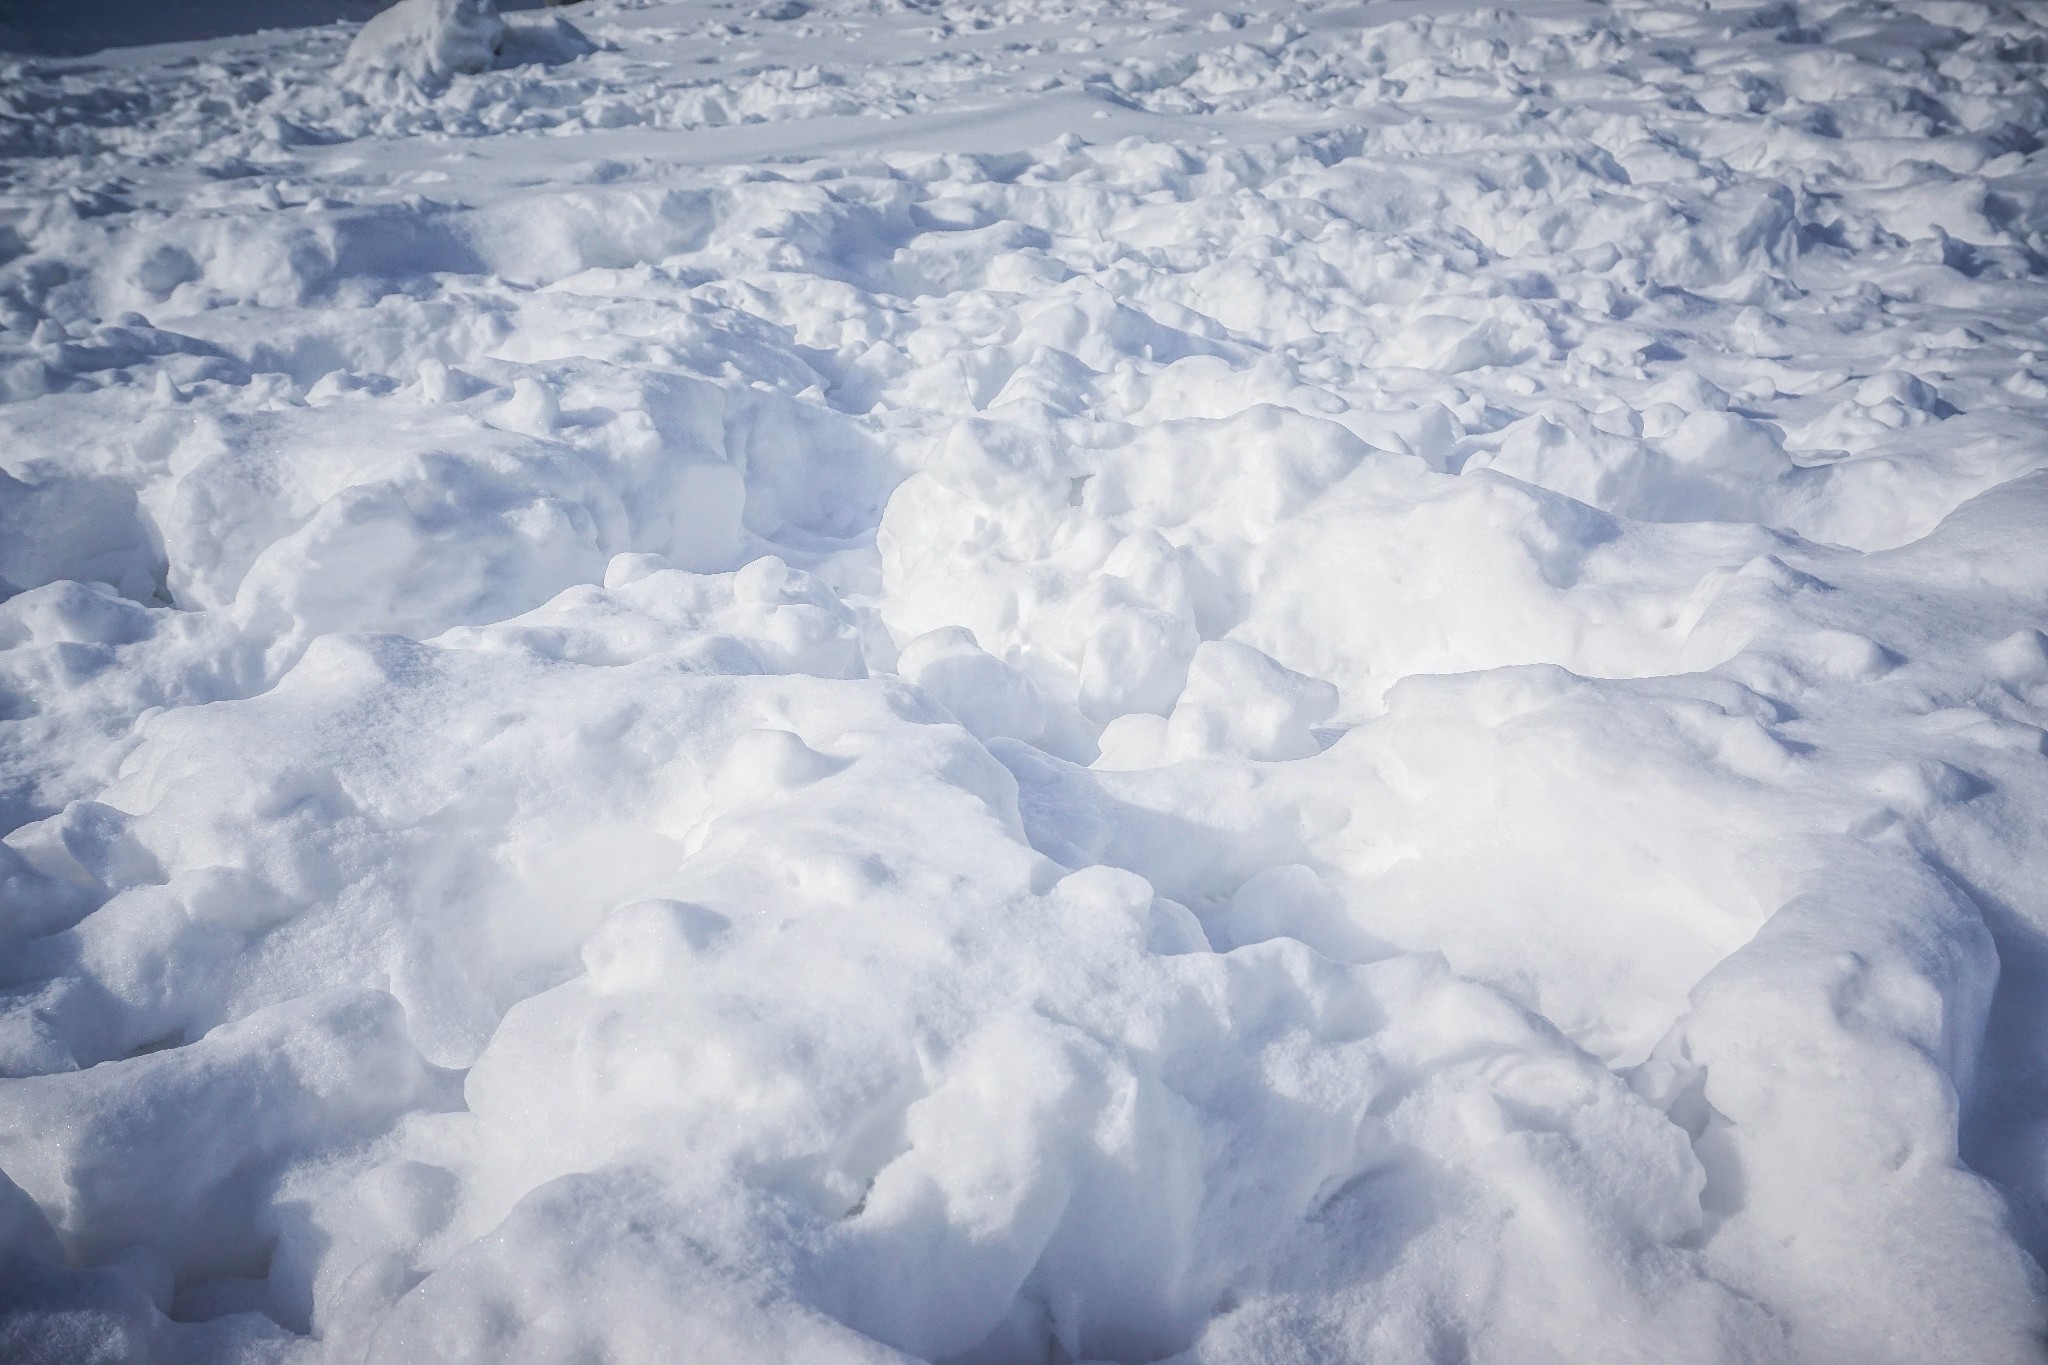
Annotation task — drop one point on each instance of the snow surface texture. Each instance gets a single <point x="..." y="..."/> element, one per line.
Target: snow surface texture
<point x="1032" y="680"/>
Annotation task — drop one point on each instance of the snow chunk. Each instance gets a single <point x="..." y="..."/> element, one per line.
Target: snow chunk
<point x="1238" y="701"/>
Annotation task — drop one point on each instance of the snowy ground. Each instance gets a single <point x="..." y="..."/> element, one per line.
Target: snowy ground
<point x="1030" y="680"/>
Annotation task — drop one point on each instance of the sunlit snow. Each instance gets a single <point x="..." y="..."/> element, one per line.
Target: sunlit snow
<point x="1020" y="681"/>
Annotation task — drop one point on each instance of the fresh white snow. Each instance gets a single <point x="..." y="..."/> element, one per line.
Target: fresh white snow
<point x="1008" y="681"/>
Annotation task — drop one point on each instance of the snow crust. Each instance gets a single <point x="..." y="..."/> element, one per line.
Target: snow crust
<point x="1029" y="680"/>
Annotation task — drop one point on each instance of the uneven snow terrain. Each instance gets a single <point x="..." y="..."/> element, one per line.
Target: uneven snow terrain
<point x="1029" y="680"/>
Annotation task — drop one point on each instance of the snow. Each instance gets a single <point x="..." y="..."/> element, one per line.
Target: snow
<point x="422" y="43"/>
<point x="1019" y="680"/>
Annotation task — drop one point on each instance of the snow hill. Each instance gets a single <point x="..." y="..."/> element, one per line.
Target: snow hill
<point x="1000" y="681"/>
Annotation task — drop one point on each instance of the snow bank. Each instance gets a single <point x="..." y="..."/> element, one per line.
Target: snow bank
<point x="1394" y="708"/>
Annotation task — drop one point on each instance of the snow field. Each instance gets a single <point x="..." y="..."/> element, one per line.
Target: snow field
<point x="692" y="683"/>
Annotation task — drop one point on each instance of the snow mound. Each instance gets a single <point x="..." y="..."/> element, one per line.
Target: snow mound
<point x="422" y="44"/>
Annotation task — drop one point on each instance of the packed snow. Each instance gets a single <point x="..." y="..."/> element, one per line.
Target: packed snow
<point x="1000" y="681"/>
